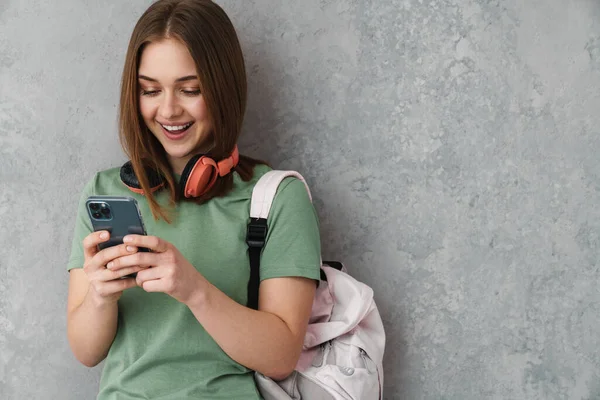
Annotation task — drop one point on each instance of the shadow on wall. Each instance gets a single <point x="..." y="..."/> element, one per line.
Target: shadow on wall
<point x="266" y="122"/>
<point x="273" y="128"/>
<point x="274" y="131"/>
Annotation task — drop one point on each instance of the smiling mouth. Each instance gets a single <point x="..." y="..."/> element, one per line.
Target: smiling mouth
<point x="176" y="129"/>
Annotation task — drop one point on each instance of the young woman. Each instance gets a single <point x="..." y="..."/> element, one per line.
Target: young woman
<point x="181" y="328"/>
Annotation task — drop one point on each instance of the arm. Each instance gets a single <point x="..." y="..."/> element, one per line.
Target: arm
<point x="268" y="340"/>
<point x="92" y="302"/>
<point x="91" y="325"/>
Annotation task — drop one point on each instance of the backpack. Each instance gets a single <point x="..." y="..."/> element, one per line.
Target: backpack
<point x="343" y="347"/>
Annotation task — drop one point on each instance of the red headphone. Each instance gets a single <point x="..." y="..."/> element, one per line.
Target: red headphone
<point x="197" y="178"/>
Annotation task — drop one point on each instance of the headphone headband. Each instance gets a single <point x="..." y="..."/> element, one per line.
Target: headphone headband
<point x="225" y="166"/>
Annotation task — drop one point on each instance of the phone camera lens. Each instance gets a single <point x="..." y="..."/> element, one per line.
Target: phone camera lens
<point x="106" y="211"/>
<point x="94" y="206"/>
<point x="97" y="215"/>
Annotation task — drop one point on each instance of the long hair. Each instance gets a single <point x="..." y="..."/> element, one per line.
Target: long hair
<point x="207" y="32"/>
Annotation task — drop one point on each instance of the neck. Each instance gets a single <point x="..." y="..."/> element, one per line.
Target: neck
<point x="178" y="163"/>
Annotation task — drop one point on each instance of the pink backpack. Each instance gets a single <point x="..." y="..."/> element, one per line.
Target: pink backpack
<point x="344" y="344"/>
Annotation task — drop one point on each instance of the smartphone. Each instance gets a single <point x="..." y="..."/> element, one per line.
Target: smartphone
<point x="119" y="215"/>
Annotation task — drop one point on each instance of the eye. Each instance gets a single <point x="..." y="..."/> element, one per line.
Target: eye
<point x="149" y="93"/>
<point x="195" y="92"/>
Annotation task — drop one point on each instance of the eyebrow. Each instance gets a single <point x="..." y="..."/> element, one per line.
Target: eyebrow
<point x="182" y="79"/>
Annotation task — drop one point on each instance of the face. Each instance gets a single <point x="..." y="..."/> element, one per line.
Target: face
<point x="171" y="103"/>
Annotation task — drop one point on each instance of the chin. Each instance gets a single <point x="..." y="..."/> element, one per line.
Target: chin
<point x="179" y="153"/>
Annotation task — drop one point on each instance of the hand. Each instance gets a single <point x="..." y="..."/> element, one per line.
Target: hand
<point x="170" y="272"/>
<point x="105" y="285"/>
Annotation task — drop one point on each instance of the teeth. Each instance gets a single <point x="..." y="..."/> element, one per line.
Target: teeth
<point x="176" y="128"/>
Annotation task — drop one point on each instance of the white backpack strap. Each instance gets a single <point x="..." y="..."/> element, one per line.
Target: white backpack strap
<point x="265" y="189"/>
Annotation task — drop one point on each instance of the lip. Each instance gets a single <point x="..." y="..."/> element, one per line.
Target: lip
<point x="178" y="136"/>
<point x="175" y="123"/>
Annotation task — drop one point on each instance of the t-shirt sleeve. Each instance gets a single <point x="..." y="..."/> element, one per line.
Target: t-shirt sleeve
<point x="83" y="227"/>
<point x="293" y="246"/>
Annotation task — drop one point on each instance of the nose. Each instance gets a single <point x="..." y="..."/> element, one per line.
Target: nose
<point x="169" y="106"/>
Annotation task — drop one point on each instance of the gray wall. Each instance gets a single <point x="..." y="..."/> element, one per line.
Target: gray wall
<point x="451" y="146"/>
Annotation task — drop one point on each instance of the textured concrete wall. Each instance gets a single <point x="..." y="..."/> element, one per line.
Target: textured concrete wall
<point x="452" y="146"/>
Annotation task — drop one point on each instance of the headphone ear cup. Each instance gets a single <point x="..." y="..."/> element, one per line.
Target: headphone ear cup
<point x="198" y="176"/>
<point x="186" y="174"/>
<point x="130" y="180"/>
<point x="202" y="179"/>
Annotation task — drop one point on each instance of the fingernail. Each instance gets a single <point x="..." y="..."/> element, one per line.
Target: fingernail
<point x="109" y="265"/>
<point x="103" y="235"/>
<point x="127" y="239"/>
<point x="130" y="248"/>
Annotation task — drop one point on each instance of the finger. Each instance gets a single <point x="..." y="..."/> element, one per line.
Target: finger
<point x="141" y="259"/>
<point x="104" y="257"/>
<point x="153" y="243"/>
<point x="118" y="285"/>
<point x="148" y="274"/>
<point x="154" y="285"/>
<point x="91" y="241"/>
<point x="108" y="275"/>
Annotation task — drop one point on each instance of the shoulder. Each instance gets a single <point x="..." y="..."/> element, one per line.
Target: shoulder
<point x="292" y="197"/>
<point x="243" y="189"/>
<point x="294" y="190"/>
<point x="107" y="181"/>
<point x="290" y="187"/>
<point x="259" y="171"/>
<point x="109" y="175"/>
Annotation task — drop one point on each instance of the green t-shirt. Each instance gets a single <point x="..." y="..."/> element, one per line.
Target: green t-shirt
<point x="160" y="350"/>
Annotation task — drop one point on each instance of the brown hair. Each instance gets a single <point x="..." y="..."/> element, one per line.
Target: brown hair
<point x="207" y="32"/>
